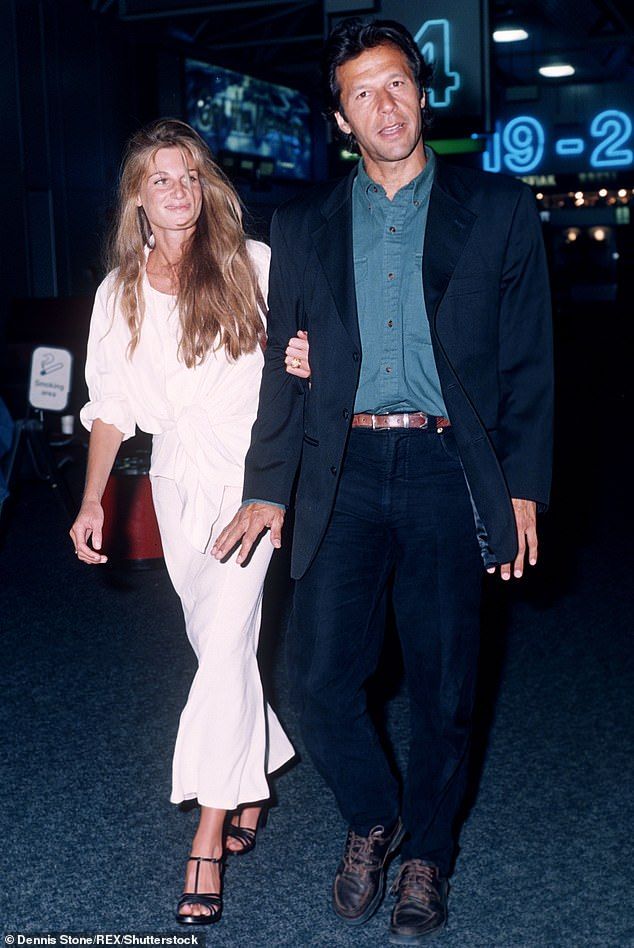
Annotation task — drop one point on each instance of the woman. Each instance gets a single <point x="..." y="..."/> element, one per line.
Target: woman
<point x="175" y="347"/>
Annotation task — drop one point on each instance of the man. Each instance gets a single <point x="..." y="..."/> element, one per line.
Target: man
<point x="423" y="448"/>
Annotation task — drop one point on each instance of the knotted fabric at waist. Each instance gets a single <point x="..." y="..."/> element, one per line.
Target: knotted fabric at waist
<point x="203" y="455"/>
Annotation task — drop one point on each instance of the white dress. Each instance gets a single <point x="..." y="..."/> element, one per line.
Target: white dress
<point x="200" y="418"/>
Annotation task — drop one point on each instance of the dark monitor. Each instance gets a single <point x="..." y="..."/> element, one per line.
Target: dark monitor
<point x="236" y="114"/>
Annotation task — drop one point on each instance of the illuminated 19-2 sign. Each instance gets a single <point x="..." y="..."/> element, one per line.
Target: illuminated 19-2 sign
<point x="525" y="144"/>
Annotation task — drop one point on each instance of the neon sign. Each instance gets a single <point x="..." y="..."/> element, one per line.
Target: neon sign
<point x="434" y="42"/>
<point x="616" y="128"/>
<point x="521" y="144"/>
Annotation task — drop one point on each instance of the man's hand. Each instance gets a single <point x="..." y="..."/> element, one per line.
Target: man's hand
<point x="526" y="523"/>
<point x="247" y="525"/>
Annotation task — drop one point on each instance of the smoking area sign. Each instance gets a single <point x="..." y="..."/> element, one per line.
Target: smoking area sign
<point x="49" y="387"/>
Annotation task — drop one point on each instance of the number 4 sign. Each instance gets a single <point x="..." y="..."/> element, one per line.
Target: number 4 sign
<point x="434" y="42"/>
<point x="453" y="39"/>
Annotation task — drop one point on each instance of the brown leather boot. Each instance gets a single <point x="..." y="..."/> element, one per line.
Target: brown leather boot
<point x="360" y="879"/>
<point x="421" y="907"/>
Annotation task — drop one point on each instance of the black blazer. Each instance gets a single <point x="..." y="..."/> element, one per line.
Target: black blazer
<point x="487" y="298"/>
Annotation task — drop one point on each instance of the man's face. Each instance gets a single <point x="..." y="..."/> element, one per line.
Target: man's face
<point x="381" y="104"/>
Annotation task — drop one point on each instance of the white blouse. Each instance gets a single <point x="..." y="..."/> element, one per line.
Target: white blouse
<point x="200" y="418"/>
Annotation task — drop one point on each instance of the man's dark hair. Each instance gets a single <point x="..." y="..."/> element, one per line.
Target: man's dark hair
<point x="354" y="36"/>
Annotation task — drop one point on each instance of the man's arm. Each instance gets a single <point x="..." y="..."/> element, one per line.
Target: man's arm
<point x="526" y="378"/>
<point x="276" y="439"/>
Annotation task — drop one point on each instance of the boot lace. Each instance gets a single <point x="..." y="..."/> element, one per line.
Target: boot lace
<point x="360" y="856"/>
<point x="416" y="881"/>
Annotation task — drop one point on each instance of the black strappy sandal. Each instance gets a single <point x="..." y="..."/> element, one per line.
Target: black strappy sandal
<point x="246" y="835"/>
<point x="210" y="900"/>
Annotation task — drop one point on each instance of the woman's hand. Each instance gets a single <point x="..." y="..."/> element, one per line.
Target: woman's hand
<point x="297" y="355"/>
<point x="89" y="523"/>
<point x="102" y="450"/>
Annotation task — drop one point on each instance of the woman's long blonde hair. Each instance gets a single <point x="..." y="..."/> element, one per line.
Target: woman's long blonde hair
<point x="218" y="298"/>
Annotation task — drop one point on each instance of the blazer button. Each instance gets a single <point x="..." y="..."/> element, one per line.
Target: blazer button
<point x="355" y="356"/>
<point x="333" y="469"/>
<point x="346" y="413"/>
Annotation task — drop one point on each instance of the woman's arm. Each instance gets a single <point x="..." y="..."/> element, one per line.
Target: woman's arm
<point x="102" y="450"/>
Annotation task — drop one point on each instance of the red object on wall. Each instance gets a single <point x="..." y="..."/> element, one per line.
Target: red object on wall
<point x="130" y="531"/>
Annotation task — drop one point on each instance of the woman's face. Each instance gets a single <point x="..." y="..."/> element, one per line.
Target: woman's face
<point x="170" y="192"/>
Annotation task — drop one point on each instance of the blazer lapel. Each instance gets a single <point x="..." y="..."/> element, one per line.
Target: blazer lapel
<point x="333" y="243"/>
<point x="449" y="224"/>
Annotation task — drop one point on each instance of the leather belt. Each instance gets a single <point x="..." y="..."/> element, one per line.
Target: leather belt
<point x="412" y="419"/>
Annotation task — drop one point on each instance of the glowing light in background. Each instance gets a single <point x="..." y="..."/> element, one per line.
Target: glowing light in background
<point x="509" y="34"/>
<point x="557" y="71"/>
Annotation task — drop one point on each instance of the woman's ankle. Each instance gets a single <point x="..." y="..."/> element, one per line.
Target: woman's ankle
<point x="250" y="816"/>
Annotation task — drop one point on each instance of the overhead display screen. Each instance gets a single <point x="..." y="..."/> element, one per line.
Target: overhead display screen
<point x="573" y="129"/>
<point x="246" y="116"/>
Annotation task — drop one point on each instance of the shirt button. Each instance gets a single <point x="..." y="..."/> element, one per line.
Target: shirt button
<point x="333" y="469"/>
<point x="390" y="323"/>
<point x="374" y="188"/>
<point x="392" y="230"/>
<point x="416" y="203"/>
<point x="388" y="369"/>
<point x="390" y="276"/>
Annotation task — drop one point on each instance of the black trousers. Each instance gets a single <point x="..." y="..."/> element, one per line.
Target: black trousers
<point x="402" y="512"/>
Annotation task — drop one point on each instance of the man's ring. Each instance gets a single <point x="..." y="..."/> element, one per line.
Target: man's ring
<point x="296" y="363"/>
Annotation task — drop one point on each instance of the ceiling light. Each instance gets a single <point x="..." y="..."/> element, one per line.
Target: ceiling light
<point x="571" y="235"/>
<point x="598" y="233"/>
<point x="509" y="34"/>
<point x="539" y="196"/>
<point x="603" y="193"/>
<point x="578" y="194"/>
<point x="557" y="71"/>
<point x="622" y="192"/>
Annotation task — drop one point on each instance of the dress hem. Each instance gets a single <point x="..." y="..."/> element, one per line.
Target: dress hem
<point x="183" y="798"/>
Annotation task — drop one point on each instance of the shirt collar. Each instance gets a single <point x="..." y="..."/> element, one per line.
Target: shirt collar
<point x="416" y="192"/>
